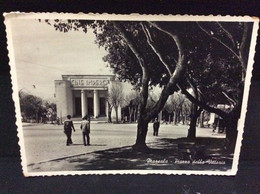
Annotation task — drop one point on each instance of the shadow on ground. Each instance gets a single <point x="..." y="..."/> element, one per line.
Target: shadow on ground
<point x="171" y="154"/>
<point x="76" y="144"/>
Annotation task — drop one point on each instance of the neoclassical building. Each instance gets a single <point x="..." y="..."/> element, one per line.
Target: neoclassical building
<point x="78" y="95"/>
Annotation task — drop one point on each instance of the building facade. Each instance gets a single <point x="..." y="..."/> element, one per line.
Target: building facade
<point x="79" y="95"/>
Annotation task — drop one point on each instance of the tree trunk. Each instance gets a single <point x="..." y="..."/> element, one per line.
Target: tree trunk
<point x="130" y="114"/>
<point x="183" y="118"/>
<point x="109" y="115"/>
<point x="116" y="110"/>
<point x="143" y="119"/>
<point x="198" y="121"/>
<point x="142" y="129"/>
<point x="195" y="113"/>
<point x="174" y="117"/>
<point x="231" y="133"/>
<point x="186" y="118"/>
<point x="135" y="114"/>
<point x="177" y="117"/>
<point x="123" y="116"/>
<point x="230" y="123"/>
<point x="193" y="121"/>
<point x="36" y="117"/>
<point x="202" y="119"/>
<point x="192" y="129"/>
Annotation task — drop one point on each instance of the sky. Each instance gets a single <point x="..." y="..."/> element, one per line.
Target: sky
<point x="42" y="55"/>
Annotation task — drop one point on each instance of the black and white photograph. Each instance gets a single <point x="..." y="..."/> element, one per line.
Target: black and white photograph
<point x="130" y="94"/>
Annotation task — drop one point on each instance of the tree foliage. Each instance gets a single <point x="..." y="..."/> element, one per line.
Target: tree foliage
<point x="33" y="107"/>
<point x="208" y="56"/>
<point x="220" y="72"/>
<point x="131" y="101"/>
<point x="177" y="105"/>
<point x="30" y="105"/>
<point x="115" y="96"/>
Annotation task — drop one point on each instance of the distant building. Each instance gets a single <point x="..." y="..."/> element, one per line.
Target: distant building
<point x="78" y="95"/>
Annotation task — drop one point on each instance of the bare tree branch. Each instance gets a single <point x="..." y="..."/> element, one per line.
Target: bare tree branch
<point x="227" y="33"/>
<point x="201" y="104"/>
<point x="153" y="46"/>
<point x="174" y="37"/>
<point x="179" y="70"/>
<point x="140" y="58"/>
<point x="229" y="99"/>
<point x="218" y="40"/>
<point x="242" y="47"/>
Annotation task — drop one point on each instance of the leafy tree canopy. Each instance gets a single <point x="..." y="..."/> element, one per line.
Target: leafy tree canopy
<point x="209" y="57"/>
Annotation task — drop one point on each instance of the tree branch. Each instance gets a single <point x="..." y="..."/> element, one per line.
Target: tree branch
<point x="154" y="48"/>
<point x="218" y="40"/>
<point x="201" y="104"/>
<point x="239" y="56"/>
<point x="179" y="70"/>
<point x="242" y="47"/>
<point x="227" y="33"/>
<point x="229" y="99"/>
<point x="201" y="96"/>
<point x="174" y="37"/>
<point x="145" y="77"/>
<point x="179" y="65"/>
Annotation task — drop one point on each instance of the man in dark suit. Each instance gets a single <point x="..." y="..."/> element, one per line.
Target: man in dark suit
<point x="156" y="125"/>
<point x="68" y="127"/>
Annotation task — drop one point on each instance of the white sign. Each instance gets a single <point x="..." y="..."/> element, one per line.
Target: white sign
<point x="89" y="82"/>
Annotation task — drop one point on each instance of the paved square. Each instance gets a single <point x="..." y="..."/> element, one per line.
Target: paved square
<point x="44" y="142"/>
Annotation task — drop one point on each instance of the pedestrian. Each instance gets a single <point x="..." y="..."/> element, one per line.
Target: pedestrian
<point x="58" y="121"/>
<point x="85" y="127"/>
<point x="215" y="123"/>
<point x="68" y="127"/>
<point x="156" y="125"/>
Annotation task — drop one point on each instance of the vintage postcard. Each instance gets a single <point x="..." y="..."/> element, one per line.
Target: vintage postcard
<point x="130" y="94"/>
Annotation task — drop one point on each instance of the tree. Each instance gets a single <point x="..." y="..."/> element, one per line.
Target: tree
<point x="174" y="106"/>
<point x="172" y="55"/>
<point x="31" y="105"/>
<point x="144" y="117"/>
<point x="225" y="68"/>
<point x="131" y="101"/>
<point x="137" y="39"/>
<point x="110" y="107"/>
<point x="186" y="111"/>
<point x="194" y="114"/>
<point x="115" y="96"/>
<point x="50" y="111"/>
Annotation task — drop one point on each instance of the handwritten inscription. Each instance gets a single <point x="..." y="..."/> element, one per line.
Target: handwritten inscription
<point x="200" y="161"/>
<point x="89" y="82"/>
<point x="177" y="161"/>
<point x="152" y="161"/>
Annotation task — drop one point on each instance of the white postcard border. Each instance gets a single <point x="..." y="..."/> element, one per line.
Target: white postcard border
<point x="131" y="17"/>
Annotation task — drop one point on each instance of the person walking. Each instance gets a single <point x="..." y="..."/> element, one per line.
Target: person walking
<point x="85" y="127"/>
<point x="68" y="127"/>
<point x="156" y="125"/>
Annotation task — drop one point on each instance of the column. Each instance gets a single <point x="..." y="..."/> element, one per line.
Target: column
<point x="96" y="104"/>
<point x="119" y="113"/>
<point x="83" y="103"/>
<point x="107" y="108"/>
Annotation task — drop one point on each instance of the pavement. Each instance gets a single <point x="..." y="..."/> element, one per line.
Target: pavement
<point x="46" y="142"/>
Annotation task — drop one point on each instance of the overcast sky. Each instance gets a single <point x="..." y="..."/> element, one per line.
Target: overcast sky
<point x="42" y="55"/>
